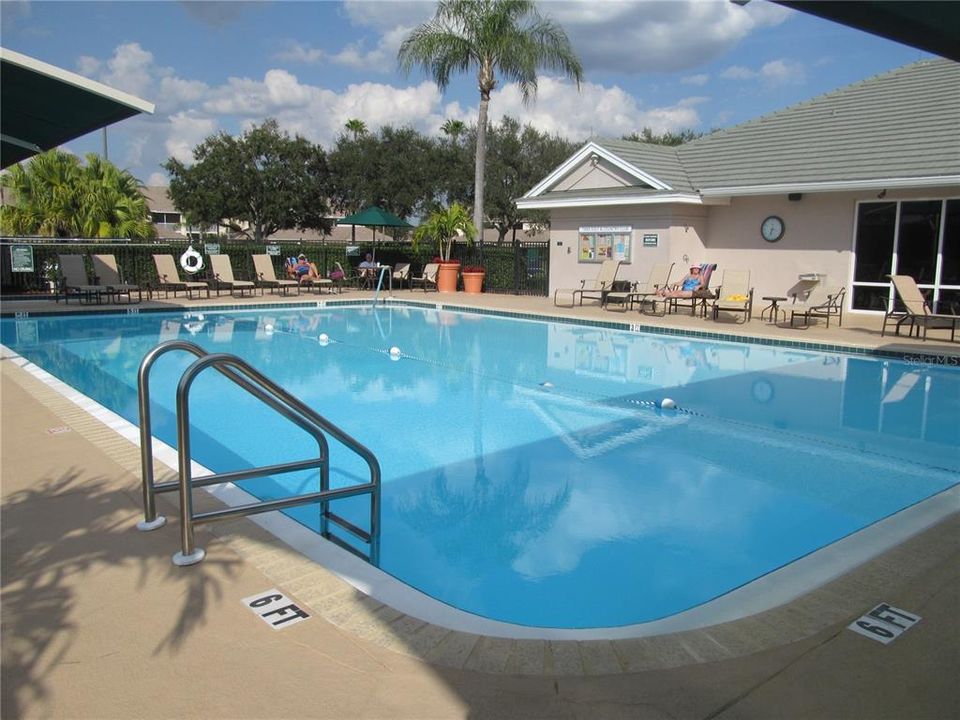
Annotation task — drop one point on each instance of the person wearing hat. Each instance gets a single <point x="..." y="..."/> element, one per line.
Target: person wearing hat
<point x="686" y="287"/>
<point x="300" y="268"/>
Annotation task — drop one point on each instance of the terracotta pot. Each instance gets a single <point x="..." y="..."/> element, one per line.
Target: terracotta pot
<point x="473" y="282"/>
<point x="447" y="277"/>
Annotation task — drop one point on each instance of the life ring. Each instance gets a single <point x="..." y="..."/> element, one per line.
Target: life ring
<point x="191" y="261"/>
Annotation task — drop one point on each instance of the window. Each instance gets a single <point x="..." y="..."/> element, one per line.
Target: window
<point x="597" y="244"/>
<point x="165" y="218"/>
<point x="919" y="238"/>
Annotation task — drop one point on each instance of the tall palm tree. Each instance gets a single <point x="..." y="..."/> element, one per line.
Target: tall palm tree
<point x="453" y="128"/>
<point x="506" y="36"/>
<point x="356" y="126"/>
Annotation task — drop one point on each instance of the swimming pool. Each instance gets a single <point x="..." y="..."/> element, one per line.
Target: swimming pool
<point x="527" y="477"/>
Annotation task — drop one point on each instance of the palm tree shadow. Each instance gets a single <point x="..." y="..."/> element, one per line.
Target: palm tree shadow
<point x="56" y="535"/>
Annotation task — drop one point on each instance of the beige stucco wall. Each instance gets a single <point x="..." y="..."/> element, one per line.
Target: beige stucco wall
<point x="818" y="238"/>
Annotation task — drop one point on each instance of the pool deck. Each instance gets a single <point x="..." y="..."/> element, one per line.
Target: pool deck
<point x="97" y="623"/>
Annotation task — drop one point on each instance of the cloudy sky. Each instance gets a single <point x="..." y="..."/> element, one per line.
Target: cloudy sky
<point x="210" y="66"/>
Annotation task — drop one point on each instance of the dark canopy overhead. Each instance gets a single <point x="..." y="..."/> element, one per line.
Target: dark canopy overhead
<point x="930" y="26"/>
<point x="374" y="216"/>
<point x="44" y="106"/>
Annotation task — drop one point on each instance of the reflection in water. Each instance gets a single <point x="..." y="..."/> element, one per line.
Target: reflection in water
<point x="527" y="476"/>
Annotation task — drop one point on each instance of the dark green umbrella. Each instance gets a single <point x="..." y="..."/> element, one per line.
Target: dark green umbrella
<point x="374" y="217"/>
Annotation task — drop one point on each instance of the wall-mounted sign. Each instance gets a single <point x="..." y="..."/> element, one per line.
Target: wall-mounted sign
<point x="273" y="250"/>
<point x="212" y="248"/>
<point x="605" y="242"/>
<point x="21" y="258"/>
<point x="651" y="240"/>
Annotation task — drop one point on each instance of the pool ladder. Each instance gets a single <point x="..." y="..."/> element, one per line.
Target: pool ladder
<point x="261" y="387"/>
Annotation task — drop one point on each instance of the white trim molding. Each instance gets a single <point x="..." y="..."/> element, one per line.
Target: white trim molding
<point x="834" y="186"/>
<point x="545" y="203"/>
<point x="592" y="148"/>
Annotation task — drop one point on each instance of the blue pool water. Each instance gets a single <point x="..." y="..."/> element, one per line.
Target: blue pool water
<point x="526" y="476"/>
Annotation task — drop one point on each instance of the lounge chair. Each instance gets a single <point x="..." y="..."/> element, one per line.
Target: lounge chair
<point x="401" y="273"/>
<point x="223" y="276"/>
<point x="73" y="279"/>
<point x="916" y="311"/>
<point x="428" y="277"/>
<point x="169" y="279"/>
<point x="107" y="274"/>
<point x="267" y="276"/>
<point x="595" y="289"/>
<point x="702" y="292"/>
<point x="645" y="292"/>
<point x="734" y="294"/>
<point x="823" y="301"/>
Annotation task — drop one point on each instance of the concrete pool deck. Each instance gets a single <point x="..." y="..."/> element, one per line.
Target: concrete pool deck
<point x="98" y="623"/>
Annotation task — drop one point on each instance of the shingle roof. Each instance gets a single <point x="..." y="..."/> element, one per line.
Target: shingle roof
<point x="904" y="123"/>
<point x="660" y="161"/>
<point x="899" y="125"/>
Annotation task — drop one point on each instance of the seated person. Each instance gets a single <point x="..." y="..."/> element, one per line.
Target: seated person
<point x="367" y="269"/>
<point x="686" y="287"/>
<point x="300" y="268"/>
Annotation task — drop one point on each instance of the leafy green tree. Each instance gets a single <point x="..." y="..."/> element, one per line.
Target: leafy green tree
<point x="667" y="138"/>
<point x="393" y="168"/>
<point x="58" y="196"/>
<point x="257" y="184"/>
<point x="509" y="37"/>
<point x="518" y="159"/>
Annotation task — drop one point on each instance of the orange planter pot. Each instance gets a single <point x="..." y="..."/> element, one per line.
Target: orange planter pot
<point x="473" y="282"/>
<point x="447" y="277"/>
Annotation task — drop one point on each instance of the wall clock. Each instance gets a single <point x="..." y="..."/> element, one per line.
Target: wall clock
<point x="772" y="228"/>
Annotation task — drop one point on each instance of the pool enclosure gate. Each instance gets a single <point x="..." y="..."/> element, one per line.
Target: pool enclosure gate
<point x="245" y="376"/>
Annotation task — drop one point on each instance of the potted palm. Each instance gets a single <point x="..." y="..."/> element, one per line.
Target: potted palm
<point x="444" y="226"/>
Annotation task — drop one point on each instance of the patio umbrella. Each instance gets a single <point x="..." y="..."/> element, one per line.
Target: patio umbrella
<point x="374" y="217"/>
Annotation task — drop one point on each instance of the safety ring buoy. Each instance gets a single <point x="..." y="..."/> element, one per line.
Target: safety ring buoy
<point x="191" y="261"/>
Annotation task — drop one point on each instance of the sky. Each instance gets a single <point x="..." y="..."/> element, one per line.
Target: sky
<point x="225" y="66"/>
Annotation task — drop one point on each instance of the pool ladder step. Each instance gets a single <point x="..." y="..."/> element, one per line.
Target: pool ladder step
<point x="247" y="377"/>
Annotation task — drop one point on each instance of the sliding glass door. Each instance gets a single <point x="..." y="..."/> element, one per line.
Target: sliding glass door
<point x="920" y="238"/>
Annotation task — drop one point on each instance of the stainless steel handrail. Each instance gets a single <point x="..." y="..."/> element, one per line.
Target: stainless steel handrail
<point x="244" y="375"/>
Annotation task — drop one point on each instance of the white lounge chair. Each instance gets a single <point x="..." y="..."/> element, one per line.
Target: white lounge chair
<point x="107" y="273"/>
<point x="267" y="276"/>
<point x="916" y="311"/>
<point x="223" y="276"/>
<point x="169" y="279"/>
<point x="595" y="289"/>
<point x="823" y="301"/>
<point x="74" y="280"/>
<point x="428" y="277"/>
<point x="734" y="294"/>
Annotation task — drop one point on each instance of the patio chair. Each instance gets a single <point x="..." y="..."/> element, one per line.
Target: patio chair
<point x="595" y="289"/>
<point x="645" y="292"/>
<point x="73" y="279"/>
<point x="823" y="301"/>
<point x="223" y="276"/>
<point x="701" y="295"/>
<point x="401" y="273"/>
<point x="916" y="311"/>
<point x="107" y="274"/>
<point x="428" y="278"/>
<point x="169" y="279"/>
<point x="734" y="294"/>
<point x="267" y="276"/>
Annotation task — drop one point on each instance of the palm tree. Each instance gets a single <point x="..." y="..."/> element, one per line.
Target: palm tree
<point x="57" y="196"/>
<point x="506" y="36"/>
<point x="453" y="128"/>
<point x="443" y="226"/>
<point x="356" y="126"/>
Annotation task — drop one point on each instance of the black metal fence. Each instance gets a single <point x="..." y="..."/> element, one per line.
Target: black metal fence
<point x="519" y="268"/>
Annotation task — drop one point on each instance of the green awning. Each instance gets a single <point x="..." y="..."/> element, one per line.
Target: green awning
<point x="44" y="106"/>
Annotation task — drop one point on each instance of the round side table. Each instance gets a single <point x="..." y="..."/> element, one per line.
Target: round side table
<point x="773" y="308"/>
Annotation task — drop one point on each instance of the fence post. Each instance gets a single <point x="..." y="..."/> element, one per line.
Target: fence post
<point x="516" y="263"/>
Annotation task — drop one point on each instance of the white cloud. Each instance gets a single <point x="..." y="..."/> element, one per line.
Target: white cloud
<point x="157" y="178"/>
<point x="773" y="73"/>
<point x="88" y="66"/>
<point x="129" y="70"/>
<point x="656" y="36"/>
<point x="187" y="130"/>
<point x="386" y="15"/>
<point x="295" y="52"/>
<point x="699" y="79"/>
<point x="595" y="110"/>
